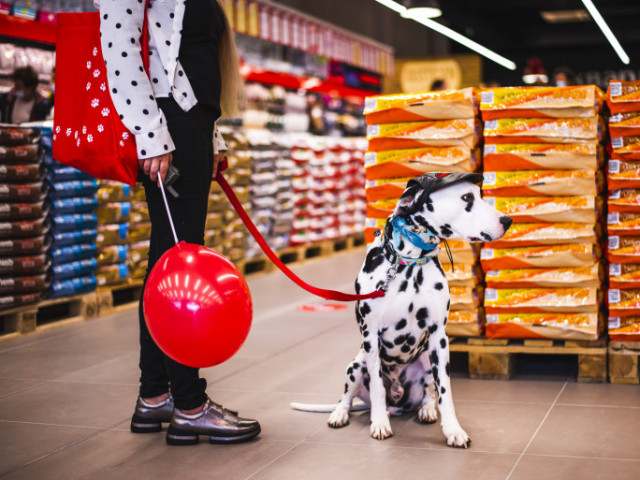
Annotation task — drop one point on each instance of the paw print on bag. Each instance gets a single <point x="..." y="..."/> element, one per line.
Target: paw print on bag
<point x="96" y="73"/>
<point x="103" y="86"/>
<point x="95" y="102"/>
<point x="84" y="130"/>
<point x="105" y="112"/>
<point x="125" y="135"/>
<point x="95" y="51"/>
<point x="88" y="65"/>
<point x="68" y="132"/>
<point x="89" y="138"/>
<point x="101" y="128"/>
<point x="88" y="86"/>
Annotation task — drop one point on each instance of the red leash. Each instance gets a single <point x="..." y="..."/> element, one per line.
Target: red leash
<point x="320" y="292"/>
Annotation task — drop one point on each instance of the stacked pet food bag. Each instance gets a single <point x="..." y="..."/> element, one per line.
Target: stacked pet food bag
<point x="72" y="196"/>
<point x="328" y="188"/>
<point x="542" y="156"/>
<point x="623" y="222"/>
<point x="412" y="134"/>
<point x="139" y="234"/>
<point x="114" y="209"/>
<point x="23" y="217"/>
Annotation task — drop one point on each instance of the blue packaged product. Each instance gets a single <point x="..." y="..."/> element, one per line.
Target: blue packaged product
<point x="67" y="173"/>
<point x="74" y="269"/>
<point x="74" y="188"/>
<point x="74" y="221"/>
<point x="62" y="239"/>
<point x="73" y="252"/>
<point x="73" y="286"/>
<point x="63" y="206"/>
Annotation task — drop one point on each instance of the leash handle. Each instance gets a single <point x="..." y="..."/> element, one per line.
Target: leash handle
<point x="320" y="292"/>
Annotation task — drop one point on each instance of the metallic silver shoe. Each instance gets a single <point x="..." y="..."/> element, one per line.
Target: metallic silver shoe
<point x="215" y="421"/>
<point x="148" y="418"/>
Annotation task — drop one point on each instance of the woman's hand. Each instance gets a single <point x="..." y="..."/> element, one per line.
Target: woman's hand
<point x="155" y="165"/>
<point x="217" y="158"/>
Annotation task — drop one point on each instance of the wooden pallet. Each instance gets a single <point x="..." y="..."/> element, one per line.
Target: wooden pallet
<point x="623" y="362"/>
<point x="495" y="358"/>
<point x="119" y="298"/>
<point x="47" y="314"/>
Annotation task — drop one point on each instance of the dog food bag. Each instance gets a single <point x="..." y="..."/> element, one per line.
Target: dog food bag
<point x="624" y="124"/>
<point x="624" y="329"/>
<point x="403" y="141"/>
<point x="112" y="274"/>
<point x="116" y="212"/>
<point x="63" y="174"/>
<point x="626" y="148"/>
<point x="544" y="277"/>
<point x="64" y="206"/>
<point x="530" y="300"/>
<point x="386" y="189"/>
<point x="575" y="209"/>
<point x="623" y="223"/>
<point x="77" y="268"/>
<point x="73" y="252"/>
<point x="624" y="200"/>
<point x="20" y="154"/>
<point x="23" y="246"/>
<point x="21" y="173"/>
<point x="623" y="96"/>
<point x="76" y="237"/>
<point x="73" y="286"/>
<point x="463" y="323"/>
<point x="439" y="129"/>
<point x="464" y="298"/>
<point x="561" y="326"/>
<point x="546" y="256"/>
<point x="623" y="303"/>
<point x="540" y="183"/>
<point x="417" y="161"/>
<point x="139" y="251"/>
<point x="415" y="107"/>
<point x="23" y="192"/>
<point x="14" y="266"/>
<point x="8" y="301"/>
<point x="23" y="229"/>
<point x="139" y="232"/>
<point x="111" y="254"/>
<point x="111" y="191"/>
<point x="74" y="189"/>
<point x="32" y="283"/>
<point x="139" y="213"/>
<point x="622" y="174"/>
<point x="541" y="102"/>
<point x="74" y="221"/>
<point x="537" y="156"/>
<point x="462" y="275"/>
<point x="623" y="249"/>
<point x="624" y="275"/>
<point x="532" y="234"/>
<point x="551" y="130"/>
<point x="112" y="234"/>
<point x="23" y="211"/>
<point x="139" y="270"/>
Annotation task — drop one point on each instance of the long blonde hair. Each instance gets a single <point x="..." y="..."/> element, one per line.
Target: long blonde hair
<point x="232" y="97"/>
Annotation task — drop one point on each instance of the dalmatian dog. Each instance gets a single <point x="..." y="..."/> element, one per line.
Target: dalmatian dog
<point x="403" y="362"/>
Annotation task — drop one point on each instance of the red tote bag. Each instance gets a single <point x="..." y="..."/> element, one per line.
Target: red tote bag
<point x="87" y="132"/>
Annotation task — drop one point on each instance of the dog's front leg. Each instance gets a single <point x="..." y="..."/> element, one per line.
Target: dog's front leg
<point x="439" y="358"/>
<point x="380" y="424"/>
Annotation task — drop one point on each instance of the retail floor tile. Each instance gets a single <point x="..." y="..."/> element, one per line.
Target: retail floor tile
<point x="584" y="431"/>
<point x="10" y="386"/>
<point x="491" y="427"/>
<point x="120" y="368"/>
<point x="600" y="394"/>
<point x="310" y="461"/>
<point x="70" y="404"/>
<point x="534" y="467"/>
<point x="499" y="391"/>
<point x="121" y="455"/>
<point x="22" y="443"/>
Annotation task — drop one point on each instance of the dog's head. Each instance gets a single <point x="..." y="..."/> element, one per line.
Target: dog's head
<point x="451" y="206"/>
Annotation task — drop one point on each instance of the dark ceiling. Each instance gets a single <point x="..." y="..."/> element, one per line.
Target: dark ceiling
<point x="512" y="28"/>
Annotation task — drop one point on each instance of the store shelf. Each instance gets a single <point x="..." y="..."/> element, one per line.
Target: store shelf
<point x="31" y="30"/>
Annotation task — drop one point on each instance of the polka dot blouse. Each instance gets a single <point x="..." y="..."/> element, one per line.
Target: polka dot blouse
<point x="132" y="91"/>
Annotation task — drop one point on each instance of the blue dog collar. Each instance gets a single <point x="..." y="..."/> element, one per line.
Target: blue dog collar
<point x="426" y="240"/>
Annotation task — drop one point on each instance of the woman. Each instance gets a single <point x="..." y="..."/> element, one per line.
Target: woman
<point x="23" y="103"/>
<point x="193" y="79"/>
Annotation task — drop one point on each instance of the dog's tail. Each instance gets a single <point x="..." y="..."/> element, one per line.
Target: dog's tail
<point x="326" y="408"/>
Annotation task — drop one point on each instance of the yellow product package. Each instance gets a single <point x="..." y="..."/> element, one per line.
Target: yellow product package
<point x="386" y="189"/>
<point x="542" y="102"/>
<point x="112" y="274"/>
<point x="417" y="161"/>
<point x="623" y="303"/>
<point x="532" y="234"/>
<point x="139" y="251"/>
<point x="625" y="249"/>
<point x="624" y="124"/>
<point x="111" y="191"/>
<point x="622" y="174"/>
<point x="576" y="209"/>
<point x="544" y="277"/>
<point x="116" y="212"/>
<point x="399" y="136"/>
<point x="534" y="130"/>
<point x="464" y="298"/>
<point x="626" y="148"/>
<point x="623" y="223"/>
<point x="624" y="200"/>
<point x="415" y="107"/>
<point x="623" y="96"/>
<point x="624" y="329"/>
<point x="139" y="213"/>
<point x="561" y="326"/>
<point x="537" y="156"/>
<point x="139" y="232"/>
<point x="531" y="300"/>
<point x="464" y="323"/>
<point x="539" y="183"/>
<point x="546" y="256"/>
<point x="462" y="275"/>
<point x="110" y="254"/>
<point x="112" y="234"/>
<point x="624" y="275"/>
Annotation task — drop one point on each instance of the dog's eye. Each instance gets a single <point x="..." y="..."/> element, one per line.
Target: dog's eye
<point x="467" y="197"/>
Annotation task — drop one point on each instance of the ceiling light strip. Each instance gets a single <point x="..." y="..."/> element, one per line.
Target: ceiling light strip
<point x="476" y="47"/>
<point x="595" y="14"/>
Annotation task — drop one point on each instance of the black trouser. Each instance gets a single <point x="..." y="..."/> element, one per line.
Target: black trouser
<point x="192" y="134"/>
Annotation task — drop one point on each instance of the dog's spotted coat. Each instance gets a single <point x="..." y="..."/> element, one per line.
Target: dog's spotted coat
<point x="403" y="362"/>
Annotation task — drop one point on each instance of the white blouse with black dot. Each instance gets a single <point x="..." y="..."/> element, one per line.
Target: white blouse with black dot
<point x="132" y="91"/>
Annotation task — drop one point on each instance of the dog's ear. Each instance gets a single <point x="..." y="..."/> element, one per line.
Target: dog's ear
<point x="409" y="195"/>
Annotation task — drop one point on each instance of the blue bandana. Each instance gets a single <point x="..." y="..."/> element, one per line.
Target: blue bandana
<point x="425" y="240"/>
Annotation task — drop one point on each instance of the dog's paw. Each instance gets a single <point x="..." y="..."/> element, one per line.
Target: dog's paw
<point x="428" y="414"/>
<point x="457" y="437"/>
<point x="339" y="417"/>
<point x="381" y="429"/>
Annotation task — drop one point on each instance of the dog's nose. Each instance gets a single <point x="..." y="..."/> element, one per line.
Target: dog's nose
<point x="506" y="222"/>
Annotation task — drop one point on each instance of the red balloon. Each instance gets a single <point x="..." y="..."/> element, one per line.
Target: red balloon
<point x="197" y="306"/>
